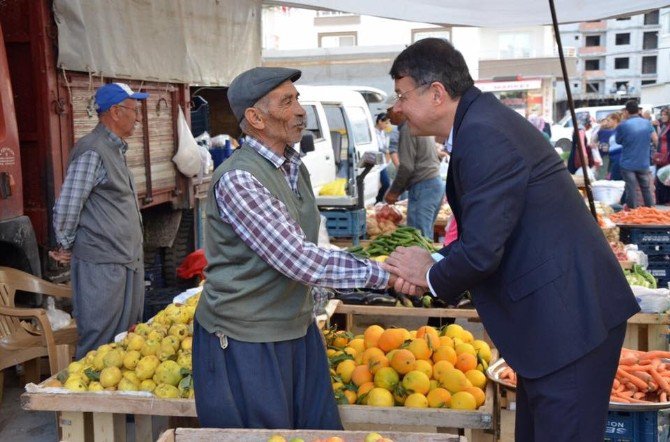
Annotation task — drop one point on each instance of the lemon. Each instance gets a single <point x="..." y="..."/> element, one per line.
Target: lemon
<point x="131" y="359"/>
<point x="98" y="361"/>
<point x="134" y="341"/>
<point x="75" y="367"/>
<point x="416" y="400"/>
<point x="483" y="350"/>
<point x="345" y="369"/>
<point x="386" y="378"/>
<point x="174" y="341"/>
<point x="454" y="331"/>
<point x="75" y="384"/>
<point x="114" y="358"/>
<point x="463" y="401"/>
<point x="156" y="335"/>
<point x="166" y="352"/>
<point x="380" y="258"/>
<point x="185" y="360"/>
<point x="132" y="377"/>
<point x="187" y="343"/>
<point x="110" y="376"/>
<point x="178" y="330"/>
<point x="168" y="391"/>
<point x="168" y="372"/>
<point x="150" y="347"/>
<point x="465" y="348"/>
<point x="453" y="380"/>
<point x="145" y="368"/>
<point x="147" y="385"/>
<point x="142" y="329"/>
<point x="95" y="386"/>
<point x="380" y="397"/>
<point x="477" y="378"/>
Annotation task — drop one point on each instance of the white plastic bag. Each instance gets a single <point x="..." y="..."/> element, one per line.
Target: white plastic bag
<point x="187" y="159"/>
<point x="663" y="175"/>
<point x="57" y="318"/>
<point x="652" y="300"/>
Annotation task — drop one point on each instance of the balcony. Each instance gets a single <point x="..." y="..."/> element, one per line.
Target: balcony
<point x="593" y="75"/>
<point x="593" y="26"/>
<point x="591" y="50"/>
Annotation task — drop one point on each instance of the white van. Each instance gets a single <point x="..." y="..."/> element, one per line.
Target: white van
<point x="561" y="132"/>
<point x="342" y="128"/>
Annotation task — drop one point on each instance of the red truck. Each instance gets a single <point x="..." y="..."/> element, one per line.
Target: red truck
<point x="45" y="108"/>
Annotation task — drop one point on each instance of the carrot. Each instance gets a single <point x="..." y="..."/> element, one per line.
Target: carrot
<point x="633" y="379"/>
<point x="638" y="395"/>
<point x="629" y="360"/>
<point x="662" y="383"/>
<point x="619" y="399"/>
<point x="655" y="354"/>
<point x="626" y="393"/>
<point x="616" y="384"/>
<point x="663" y="397"/>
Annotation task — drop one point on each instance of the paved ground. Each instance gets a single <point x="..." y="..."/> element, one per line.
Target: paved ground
<point x="18" y="425"/>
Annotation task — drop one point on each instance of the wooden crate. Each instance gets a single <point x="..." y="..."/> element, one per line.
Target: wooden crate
<point x="247" y="435"/>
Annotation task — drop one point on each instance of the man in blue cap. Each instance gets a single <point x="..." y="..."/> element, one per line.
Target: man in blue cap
<point x="258" y="357"/>
<point x="98" y="224"/>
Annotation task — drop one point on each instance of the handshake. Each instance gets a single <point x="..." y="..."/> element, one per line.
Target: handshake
<point x="409" y="267"/>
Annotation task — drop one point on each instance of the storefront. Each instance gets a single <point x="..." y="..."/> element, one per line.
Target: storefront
<point x="526" y="96"/>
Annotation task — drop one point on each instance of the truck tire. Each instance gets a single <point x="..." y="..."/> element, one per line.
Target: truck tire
<point x="564" y="144"/>
<point x="184" y="244"/>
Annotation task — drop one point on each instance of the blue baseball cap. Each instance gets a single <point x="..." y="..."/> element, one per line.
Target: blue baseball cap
<point x="114" y="93"/>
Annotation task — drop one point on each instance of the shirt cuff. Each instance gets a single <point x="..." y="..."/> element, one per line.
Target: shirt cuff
<point x="436" y="257"/>
<point x="379" y="278"/>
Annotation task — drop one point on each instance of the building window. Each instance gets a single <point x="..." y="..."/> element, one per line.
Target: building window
<point x="592" y="87"/>
<point x="621" y="63"/>
<point x="645" y="82"/>
<point x="592" y="40"/>
<point x="591" y="65"/>
<point x="650" y="40"/>
<point x="649" y="64"/>
<point x="651" y="18"/>
<point x="623" y="18"/>
<point x="514" y="45"/>
<point x="622" y="39"/>
<point x="621" y="86"/>
<point x="337" y="39"/>
<point x="418" y="34"/>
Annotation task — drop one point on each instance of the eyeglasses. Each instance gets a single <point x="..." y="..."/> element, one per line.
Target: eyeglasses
<point x="134" y="109"/>
<point x="402" y="96"/>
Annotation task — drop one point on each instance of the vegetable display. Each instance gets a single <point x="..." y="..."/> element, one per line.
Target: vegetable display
<point x="638" y="276"/>
<point x="384" y="245"/>
<point x="642" y="215"/>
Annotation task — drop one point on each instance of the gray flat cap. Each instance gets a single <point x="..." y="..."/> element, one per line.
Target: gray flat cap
<point x="252" y="85"/>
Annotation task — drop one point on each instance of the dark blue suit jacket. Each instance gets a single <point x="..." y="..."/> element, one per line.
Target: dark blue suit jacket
<point x="543" y="278"/>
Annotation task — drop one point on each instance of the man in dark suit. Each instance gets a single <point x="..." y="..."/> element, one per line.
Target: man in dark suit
<point x="544" y="280"/>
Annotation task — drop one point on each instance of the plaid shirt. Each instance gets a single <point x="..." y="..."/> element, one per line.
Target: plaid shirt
<point x="83" y="174"/>
<point x="264" y="224"/>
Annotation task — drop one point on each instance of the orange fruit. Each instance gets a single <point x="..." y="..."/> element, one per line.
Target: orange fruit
<point x="444" y="353"/>
<point x="371" y="335"/>
<point x="390" y="339"/>
<point x="345" y="369"/>
<point x="477" y="393"/>
<point x="419" y="347"/>
<point x="467" y="336"/>
<point x="403" y="361"/>
<point x="365" y="388"/>
<point x="381" y="397"/>
<point x="425" y="367"/>
<point x="400" y="395"/>
<point x="446" y="340"/>
<point x="340" y="339"/>
<point x="439" y="398"/>
<point x="426" y="330"/>
<point x="357" y="344"/>
<point x="387" y="378"/>
<point x="416" y="382"/>
<point x="416" y="400"/>
<point x="361" y="375"/>
<point x="466" y="362"/>
<point x="375" y="359"/>
<point x="463" y="400"/>
<point x="351" y="396"/>
<point x="477" y="378"/>
<point x="465" y="348"/>
<point x="454" y="380"/>
<point x="440" y="367"/>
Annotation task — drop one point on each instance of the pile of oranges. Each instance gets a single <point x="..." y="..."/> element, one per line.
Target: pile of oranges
<point x="419" y="368"/>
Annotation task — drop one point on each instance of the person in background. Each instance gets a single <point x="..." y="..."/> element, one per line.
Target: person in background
<point x="383" y="127"/>
<point x="393" y="143"/>
<point x="635" y="135"/>
<point x="418" y="174"/>
<point x="258" y="357"/>
<point x="538" y="122"/>
<point x="98" y="224"/>
<point x="614" y="148"/>
<point x="662" y="156"/>
<point x="600" y="141"/>
<point x="556" y="309"/>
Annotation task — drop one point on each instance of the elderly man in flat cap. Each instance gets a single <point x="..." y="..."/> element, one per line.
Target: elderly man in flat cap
<point x="258" y="358"/>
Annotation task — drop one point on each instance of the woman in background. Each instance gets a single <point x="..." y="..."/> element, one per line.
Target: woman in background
<point x="661" y="157"/>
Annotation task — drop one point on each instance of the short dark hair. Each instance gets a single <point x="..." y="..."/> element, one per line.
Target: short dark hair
<point x="381" y="117"/>
<point x="632" y="107"/>
<point x="434" y="59"/>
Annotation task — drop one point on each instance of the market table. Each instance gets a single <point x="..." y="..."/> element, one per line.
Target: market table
<point x="109" y="409"/>
<point x="645" y="331"/>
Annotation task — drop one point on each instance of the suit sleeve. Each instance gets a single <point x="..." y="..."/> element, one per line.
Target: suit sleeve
<point x="493" y="178"/>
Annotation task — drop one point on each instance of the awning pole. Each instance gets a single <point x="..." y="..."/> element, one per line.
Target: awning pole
<point x="571" y="105"/>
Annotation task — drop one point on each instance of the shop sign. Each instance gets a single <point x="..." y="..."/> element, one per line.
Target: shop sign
<point x="499" y="86"/>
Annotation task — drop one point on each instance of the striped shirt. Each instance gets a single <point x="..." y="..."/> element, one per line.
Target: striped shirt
<point x="83" y="174"/>
<point x="262" y="221"/>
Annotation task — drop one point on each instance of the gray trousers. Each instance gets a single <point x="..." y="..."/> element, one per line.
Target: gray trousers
<point x="107" y="300"/>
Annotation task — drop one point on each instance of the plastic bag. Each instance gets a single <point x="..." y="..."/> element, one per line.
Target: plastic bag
<point x="187" y="159"/>
<point x="663" y="175"/>
<point x="444" y="168"/>
<point x="652" y="300"/>
<point x="57" y="318"/>
<point x="193" y="265"/>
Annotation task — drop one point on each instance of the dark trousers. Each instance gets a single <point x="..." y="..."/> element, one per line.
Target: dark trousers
<point x="272" y="385"/>
<point x="385" y="183"/>
<point x="633" y="178"/>
<point x="570" y="404"/>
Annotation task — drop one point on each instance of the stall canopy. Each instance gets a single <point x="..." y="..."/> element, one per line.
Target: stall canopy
<point x="484" y="13"/>
<point x="198" y="42"/>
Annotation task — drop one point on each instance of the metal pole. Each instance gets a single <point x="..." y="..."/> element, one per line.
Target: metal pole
<point x="571" y="105"/>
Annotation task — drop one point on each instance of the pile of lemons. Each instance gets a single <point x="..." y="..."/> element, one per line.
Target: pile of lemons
<point x="419" y="369"/>
<point x="154" y="356"/>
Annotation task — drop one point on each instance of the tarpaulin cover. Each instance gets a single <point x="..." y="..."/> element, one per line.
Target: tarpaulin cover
<point x="198" y="42"/>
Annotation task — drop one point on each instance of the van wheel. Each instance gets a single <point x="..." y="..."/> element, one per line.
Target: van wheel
<point x="184" y="244"/>
<point x="564" y="144"/>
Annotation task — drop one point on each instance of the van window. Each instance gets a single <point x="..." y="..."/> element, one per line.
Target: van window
<point x="312" y="121"/>
<point x="567" y="120"/>
<point x="359" y="125"/>
<point x="339" y="137"/>
<point x="602" y="114"/>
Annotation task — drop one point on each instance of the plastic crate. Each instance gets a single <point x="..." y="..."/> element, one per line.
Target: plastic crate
<point x="645" y="235"/>
<point x="157" y="299"/>
<point x="345" y="223"/>
<point x="631" y="426"/>
<point x="199" y="116"/>
<point x="655" y="249"/>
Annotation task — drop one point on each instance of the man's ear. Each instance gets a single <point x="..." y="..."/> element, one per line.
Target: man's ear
<point x="254" y="118"/>
<point x="440" y="95"/>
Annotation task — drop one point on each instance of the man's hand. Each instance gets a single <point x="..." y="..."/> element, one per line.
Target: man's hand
<point x="402" y="286"/>
<point x="61" y="255"/>
<point x="410" y="264"/>
<point x="391" y="198"/>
